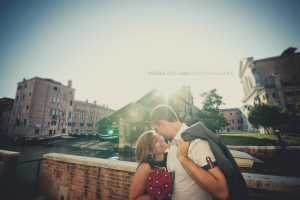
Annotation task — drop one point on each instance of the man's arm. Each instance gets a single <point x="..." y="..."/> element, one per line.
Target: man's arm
<point x="212" y="181"/>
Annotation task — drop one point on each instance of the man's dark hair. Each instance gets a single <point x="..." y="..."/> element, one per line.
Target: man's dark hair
<point x="162" y="112"/>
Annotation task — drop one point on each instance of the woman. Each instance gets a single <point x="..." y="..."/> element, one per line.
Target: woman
<point x="150" y="152"/>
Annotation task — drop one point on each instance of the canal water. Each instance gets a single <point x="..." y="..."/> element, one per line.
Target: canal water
<point x="25" y="180"/>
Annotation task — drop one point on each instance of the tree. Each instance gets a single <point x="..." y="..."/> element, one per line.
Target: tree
<point x="209" y="115"/>
<point x="269" y="116"/>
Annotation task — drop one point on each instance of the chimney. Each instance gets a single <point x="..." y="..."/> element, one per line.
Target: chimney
<point x="95" y="102"/>
<point x="69" y="83"/>
<point x="87" y="101"/>
<point x="24" y="79"/>
<point x="188" y="88"/>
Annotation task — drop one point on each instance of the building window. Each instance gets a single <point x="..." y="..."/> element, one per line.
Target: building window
<point x="76" y="131"/>
<point x="82" y="116"/>
<point x="30" y="94"/>
<point x="19" y="87"/>
<point x="88" y="117"/>
<point x="63" y="131"/>
<point x="37" y="131"/>
<point x="78" y="107"/>
<point x="232" y="128"/>
<point x="82" y="108"/>
<point x="271" y="96"/>
<point x="89" y="124"/>
<point x="14" y="111"/>
<point x="88" y="109"/>
<point x="222" y="114"/>
<point x="70" y="114"/>
<point x="71" y="103"/>
<point x="73" y="123"/>
<point x="237" y="113"/>
<point x="74" y="115"/>
<point x="239" y="128"/>
<point x="53" y="122"/>
<point x="96" y="124"/>
<point x="91" y="117"/>
<point x="264" y="98"/>
<point x="25" y="85"/>
<point x="48" y="123"/>
<point x="289" y="94"/>
<point x="55" y="88"/>
<point x="238" y="121"/>
<point x="96" y="118"/>
<point x="81" y="123"/>
<point x="8" y="118"/>
<point x="230" y="113"/>
<point x="17" y="98"/>
<point x="69" y="123"/>
<point x="71" y="93"/>
<point x="27" y="107"/>
<point x="232" y="121"/>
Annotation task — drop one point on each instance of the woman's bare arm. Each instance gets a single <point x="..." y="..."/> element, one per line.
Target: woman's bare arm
<point x="138" y="185"/>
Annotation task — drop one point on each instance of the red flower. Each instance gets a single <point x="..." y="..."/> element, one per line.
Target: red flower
<point x="159" y="194"/>
<point x="150" y="188"/>
<point x="166" y="176"/>
<point x="166" y="186"/>
<point x="168" y="195"/>
<point x="150" y="177"/>
<point x="157" y="172"/>
<point x="159" y="184"/>
<point x="157" y="180"/>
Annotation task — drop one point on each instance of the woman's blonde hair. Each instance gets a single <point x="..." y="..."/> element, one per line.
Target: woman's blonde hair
<point x="144" y="146"/>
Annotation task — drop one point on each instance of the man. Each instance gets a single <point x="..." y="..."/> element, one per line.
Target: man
<point x="197" y="175"/>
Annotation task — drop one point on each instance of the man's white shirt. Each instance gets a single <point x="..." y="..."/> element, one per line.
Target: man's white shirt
<point x="184" y="186"/>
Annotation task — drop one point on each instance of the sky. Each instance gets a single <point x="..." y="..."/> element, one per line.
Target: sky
<point x="117" y="51"/>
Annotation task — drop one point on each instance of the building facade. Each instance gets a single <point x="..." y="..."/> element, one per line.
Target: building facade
<point x="133" y="119"/>
<point x="271" y="80"/>
<point x="234" y="116"/>
<point x="47" y="107"/>
<point x="84" y="117"/>
<point x="6" y="105"/>
<point x="41" y="107"/>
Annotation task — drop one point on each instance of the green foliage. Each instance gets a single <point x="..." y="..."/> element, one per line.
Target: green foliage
<point x="8" y="108"/>
<point x="266" y="115"/>
<point x="209" y="115"/>
<point x="298" y="108"/>
<point x="259" y="139"/>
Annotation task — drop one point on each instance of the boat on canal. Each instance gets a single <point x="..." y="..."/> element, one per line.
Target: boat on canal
<point x="32" y="140"/>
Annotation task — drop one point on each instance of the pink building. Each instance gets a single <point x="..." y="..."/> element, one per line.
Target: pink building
<point x="47" y="107"/>
<point x="233" y="115"/>
<point x="85" y="116"/>
<point x="41" y="107"/>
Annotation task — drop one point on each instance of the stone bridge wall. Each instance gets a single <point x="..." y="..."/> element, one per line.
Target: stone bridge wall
<point x="77" y="177"/>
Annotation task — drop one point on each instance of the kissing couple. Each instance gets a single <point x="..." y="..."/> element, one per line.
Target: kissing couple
<point x="202" y="165"/>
